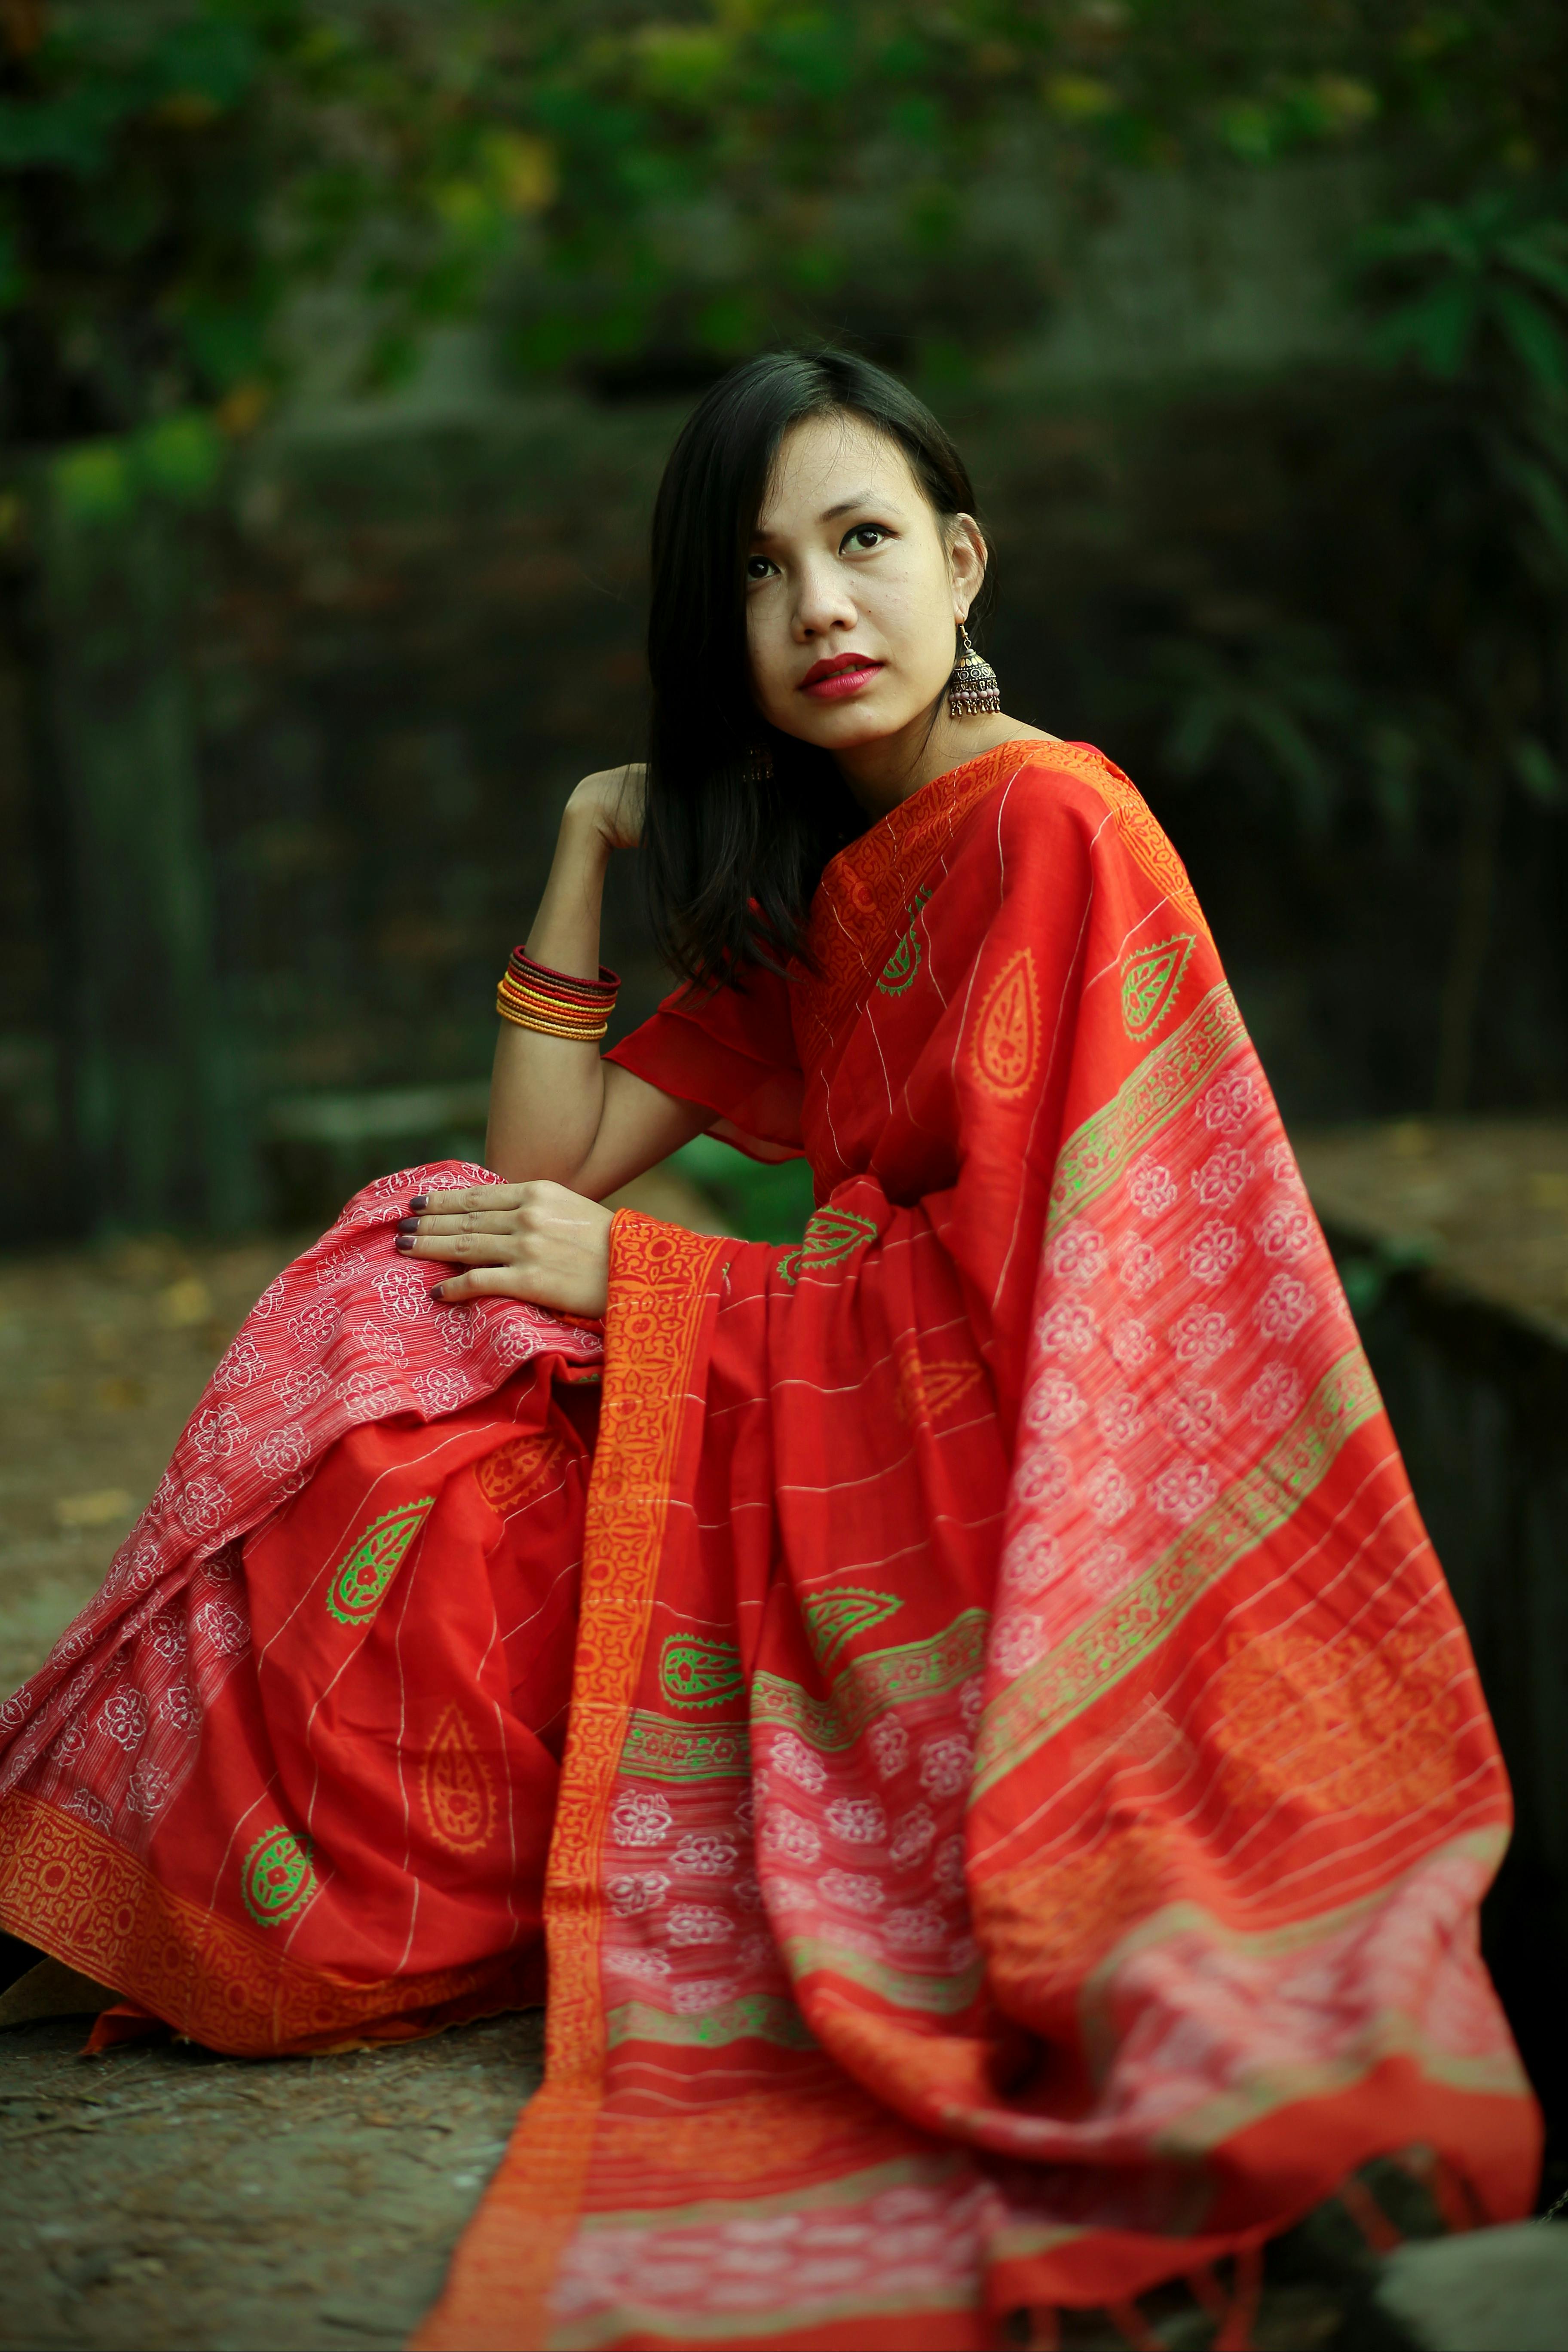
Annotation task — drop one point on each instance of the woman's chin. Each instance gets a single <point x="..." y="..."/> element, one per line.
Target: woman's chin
<point x="849" y="725"/>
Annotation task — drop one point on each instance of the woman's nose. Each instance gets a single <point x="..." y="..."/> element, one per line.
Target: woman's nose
<point x="822" y="601"/>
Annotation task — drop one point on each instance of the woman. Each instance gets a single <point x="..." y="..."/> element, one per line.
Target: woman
<point x="1015" y="1789"/>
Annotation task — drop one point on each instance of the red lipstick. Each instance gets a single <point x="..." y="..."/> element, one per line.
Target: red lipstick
<point x="838" y="677"/>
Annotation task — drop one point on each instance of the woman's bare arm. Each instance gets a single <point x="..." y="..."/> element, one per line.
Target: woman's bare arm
<point x="558" y="1112"/>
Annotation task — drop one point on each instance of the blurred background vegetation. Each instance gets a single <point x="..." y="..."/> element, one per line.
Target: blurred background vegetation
<point x="340" y="343"/>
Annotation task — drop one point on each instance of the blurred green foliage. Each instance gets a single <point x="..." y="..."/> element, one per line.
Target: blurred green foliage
<point x="640" y="194"/>
<point x="763" y="1201"/>
<point x="646" y="187"/>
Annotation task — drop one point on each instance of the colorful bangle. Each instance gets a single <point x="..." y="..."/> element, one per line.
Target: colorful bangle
<point x="557" y="1003"/>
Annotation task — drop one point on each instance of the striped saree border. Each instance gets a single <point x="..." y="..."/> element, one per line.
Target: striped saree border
<point x="661" y="1297"/>
<point x="1169" y="1077"/>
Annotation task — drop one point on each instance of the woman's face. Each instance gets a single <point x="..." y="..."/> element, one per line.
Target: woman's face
<point x="853" y="588"/>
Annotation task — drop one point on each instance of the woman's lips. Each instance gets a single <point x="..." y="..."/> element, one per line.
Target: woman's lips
<point x="837" y="684"/>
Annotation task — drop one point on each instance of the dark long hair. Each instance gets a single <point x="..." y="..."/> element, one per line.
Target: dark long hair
<point x="732" y="853"/>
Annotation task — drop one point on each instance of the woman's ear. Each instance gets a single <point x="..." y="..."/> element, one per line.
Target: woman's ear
<point x="966" y="556"/>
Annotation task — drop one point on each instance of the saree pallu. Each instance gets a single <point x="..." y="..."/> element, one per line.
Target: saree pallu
<point x="1027" y="1793"/>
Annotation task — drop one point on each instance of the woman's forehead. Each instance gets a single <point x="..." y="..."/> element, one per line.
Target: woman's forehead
<point x="826" y="465"/>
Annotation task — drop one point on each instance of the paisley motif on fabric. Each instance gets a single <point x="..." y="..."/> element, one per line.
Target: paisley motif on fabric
<point x="518" y="1472"/>
<point x="898" y="971"/>
<point x="277" y="1879"/>
<point x="927" y="1391"/>
<point x="455" y="1785"/>
<point x="833" y="1235"/>
<point x="696" y="1672"/>
<point x="1005" y="1047"/>
<point x="834" y="1618"/>
<point x="1150" y="982"/>
<point x="360" y="1578"/>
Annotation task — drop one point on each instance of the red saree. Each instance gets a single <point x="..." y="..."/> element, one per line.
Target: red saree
<point x="1026" y="1793"/>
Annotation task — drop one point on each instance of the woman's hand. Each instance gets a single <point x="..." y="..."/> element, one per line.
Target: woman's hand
<point x="537" y="1241"/>
<point x="612" y="801"/>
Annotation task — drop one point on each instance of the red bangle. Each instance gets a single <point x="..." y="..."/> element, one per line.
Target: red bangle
<point x="607" y="984"/>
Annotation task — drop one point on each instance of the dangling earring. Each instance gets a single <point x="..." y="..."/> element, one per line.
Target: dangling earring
<point x="973" y="688"/>
<point x="757" y="767"/>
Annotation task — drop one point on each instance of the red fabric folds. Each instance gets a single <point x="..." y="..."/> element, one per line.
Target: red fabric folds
<point x="1027" y="1792"/>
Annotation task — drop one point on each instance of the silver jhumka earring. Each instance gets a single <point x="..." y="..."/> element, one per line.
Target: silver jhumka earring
<point x="973" y="688"/>
<point x="758" y="764"/>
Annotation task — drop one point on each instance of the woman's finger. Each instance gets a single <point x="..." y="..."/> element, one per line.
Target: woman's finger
<point x="471" y="1220"/>
<point x="479" y="1196"/>
<point x="461" y="1249"/>
<point x="484" y="1282"/>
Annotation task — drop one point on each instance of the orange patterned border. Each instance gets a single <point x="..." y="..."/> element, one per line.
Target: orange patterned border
<point x="662" y="1295"/>
<point x="1145" y="838"/>
<point x="77" y="1895"/>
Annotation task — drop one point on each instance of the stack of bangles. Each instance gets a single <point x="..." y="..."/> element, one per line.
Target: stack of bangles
<point x="556" y="1003"/>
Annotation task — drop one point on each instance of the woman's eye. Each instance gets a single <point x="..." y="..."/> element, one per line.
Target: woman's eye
<point x="758" y="567"/>
<point x="866" y="535"/>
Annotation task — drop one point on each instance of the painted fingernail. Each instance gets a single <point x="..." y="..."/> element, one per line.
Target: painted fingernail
<point x="404" y="1241"/>
<point x="439" y="1287"/>
<point x="409" y="1225"/>
<point x="420" y="1201"/>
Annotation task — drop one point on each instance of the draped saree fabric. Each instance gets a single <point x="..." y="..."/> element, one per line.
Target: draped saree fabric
<point x="1025" y="1793"/>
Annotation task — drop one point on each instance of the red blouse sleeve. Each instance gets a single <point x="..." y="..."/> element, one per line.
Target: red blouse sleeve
<point x="730" y="1050"/>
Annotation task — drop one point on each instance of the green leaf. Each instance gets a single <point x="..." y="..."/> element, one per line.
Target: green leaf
<point x="182" y="455"/>
<point x="1438" y="328"/>
<point x="1536" y="341"/>
<point x="1539" y="773"/>
<point x="95" y="483"/>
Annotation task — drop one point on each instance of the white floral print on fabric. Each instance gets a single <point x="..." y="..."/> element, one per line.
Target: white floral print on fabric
<point x="917" y="1926"/>
<point x="1055" y="1406"/>
<point x="1286" y="1305"/>
<point x="858" y="1820"/>
<point x="697" y="1923"/>
<point x="1067" y="1330"/>
<point x="123" y="1718"/>
<point x="1193" y="1415"/>
<point x="1111" y="1498"/>
<point x="1034" y="1560"/>
<point x="1105" y="1571"/>
<point x="1184" y="1489"/>
<point x="1214" y="1252"/>
<point x="1275" y="1396"/>
<point x="1201" y="1336"/>
<point x="1017" y="1642"/>
<point x="1132" y="1344"/>
<point x="1138" y="1267"/>
<point x="794" y="1760"/>
<point x="633" y="1892"/>
<point x="215" y="1432"/>
<point x="912" y="1834"/>
<point x="946" y="1764"/>
<point x="239" y="1367"/>
<point x="1045" y="1477"/>
<point x="224" y="1627"/>
<point x="889" y="1746"/>
<point x="1286" y="1230"/>
<point x="1229" y="1103"/>
<point x="640" y="1816"/>
<point x="1117" y="1419"/>
<point x="1078" y="1255"/>
<point x="1151" y="1187"/>
<point x="786" y="1833"/>
<point x="1224" y="1177"/>
<point x="852" y="1890"/>
<point x="704" y="1853"/>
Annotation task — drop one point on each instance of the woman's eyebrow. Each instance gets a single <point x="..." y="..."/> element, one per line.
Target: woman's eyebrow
<point x="830" y="514"/>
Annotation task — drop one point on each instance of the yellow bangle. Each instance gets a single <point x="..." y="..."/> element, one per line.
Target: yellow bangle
<point x="580" y="1036"/>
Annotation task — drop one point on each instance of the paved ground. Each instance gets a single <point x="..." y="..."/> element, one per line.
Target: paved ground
<point x="161" y="2197"/>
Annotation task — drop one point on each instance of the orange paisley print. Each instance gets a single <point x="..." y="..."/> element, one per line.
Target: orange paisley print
<point x="455" y="1785"/>
<point x="1007" y="1034"/>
